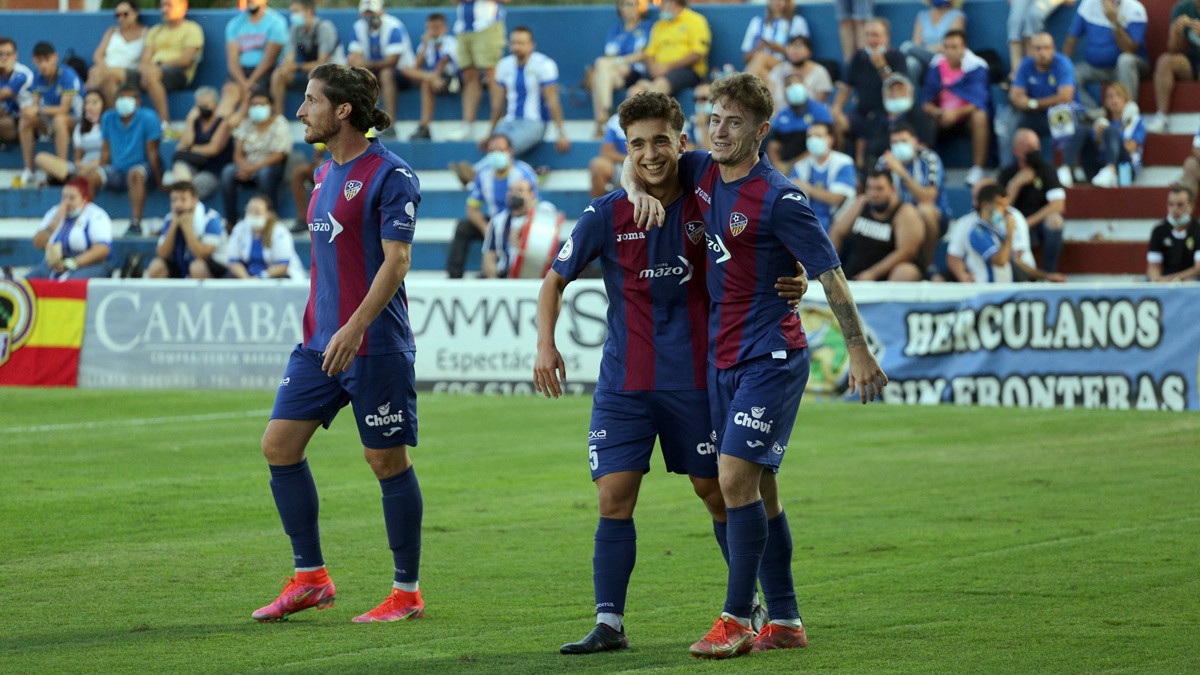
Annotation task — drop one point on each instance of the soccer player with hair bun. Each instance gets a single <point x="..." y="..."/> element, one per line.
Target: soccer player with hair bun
<point x="358" y="345"/>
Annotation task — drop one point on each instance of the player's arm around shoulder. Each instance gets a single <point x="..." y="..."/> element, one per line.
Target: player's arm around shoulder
<point x="867" y="379"/>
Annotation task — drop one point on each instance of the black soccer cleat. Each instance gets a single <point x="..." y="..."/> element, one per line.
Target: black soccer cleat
<point x="602" y="639"/>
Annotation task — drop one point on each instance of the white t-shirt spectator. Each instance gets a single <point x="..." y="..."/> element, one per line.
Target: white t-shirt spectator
<point x="76" y="235"/>
<point x="391" y="39"/>
<point x="472" y="16"/>
<point x="258" y="256"/>
<point x="258" y="145"/>
<point x="779" y="31"/>
<point x="523" y="85"/>
<point x="959" y="234"/>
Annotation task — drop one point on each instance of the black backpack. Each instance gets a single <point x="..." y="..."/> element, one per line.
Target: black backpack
<point x="77" y="64"/>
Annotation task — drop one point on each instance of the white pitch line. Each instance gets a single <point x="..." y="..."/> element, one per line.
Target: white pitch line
<point x="104" y="424"/>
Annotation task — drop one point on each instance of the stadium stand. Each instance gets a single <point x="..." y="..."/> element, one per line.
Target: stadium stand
<point x="1106" y="232"/>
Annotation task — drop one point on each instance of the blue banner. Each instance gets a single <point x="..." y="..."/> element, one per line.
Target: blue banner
<point x="1115" y="348"/>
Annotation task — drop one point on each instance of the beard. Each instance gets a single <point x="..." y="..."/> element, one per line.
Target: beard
<point x="320" y="133"/>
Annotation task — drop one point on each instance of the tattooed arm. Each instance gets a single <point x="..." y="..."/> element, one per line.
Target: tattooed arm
<point x="867" y="379"/>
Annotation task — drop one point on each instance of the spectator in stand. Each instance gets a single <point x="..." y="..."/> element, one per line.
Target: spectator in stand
<point x="864" y="77"/>
<point x="1174" y="253"/>
<point x="254" y="40"/>
<point x="1115" y="34"/>
<point x="192" y="242"/>
<point x="525" y="96"/>
<point x="920" y="181"/>
<point x="879" y="236"/>
<point x="502" y="242"/>
<point x="76" y="236"/>
<point x="86" y="139"/>
<point x="789" y="128"/>
<point x="1191" y="167"/>
<point x="621" y="66"/>
<point x="1116" y="141"/>
<point x="899" y="108"/>
<point x="119" y="53"/>
<point x="955" y="96"/>
<point x="929" y="32"/>
<point x="1181" y="61"/>
<point x="260" y="248"/>
<point x="1045" y="81"/>
<point x="1032" y="187"/>
<point x="129" y="158"/>
<point x="852" y="17"/>
<point x="676" y="57"/>
<point x="206" y="146"/>
<point x="1027" y="18"/>
<point x="982" y="251"/>
<point x="696" y="128"/>
<point x="825" y="175"/>
<point x="798" y="59"/>
<point x="436" y="56"/>
<point x="311" y="42"/>
<point x="479" y="27"/>
<point x="382" y="46"/>
<point x="51" y="109"/>
<point x="172" y="52"/>
<point x="763" y="46"/>
<point x="260" y="147"/>
<point x="1024" y="265"/>
<point x="604" y="169"/>
<point x="489" y="188"/>
<point x="16" y="79"/>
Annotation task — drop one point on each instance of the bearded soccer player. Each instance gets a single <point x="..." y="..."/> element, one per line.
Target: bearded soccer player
<point x="358" y="345"/>
<point x="652" y="376"/>
<point x="756" y="224"/>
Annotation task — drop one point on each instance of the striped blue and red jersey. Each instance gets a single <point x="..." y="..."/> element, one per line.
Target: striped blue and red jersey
<point x="657" y="303"/>
<point x="354" y="208"/>
<point x="756" y="227"/>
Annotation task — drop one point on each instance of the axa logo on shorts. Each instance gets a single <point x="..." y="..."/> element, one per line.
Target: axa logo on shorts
<point x="597" y="434"/>
<point x="684" y="269"/>
<point x="754" y="420"/>
<point x="717" y="245"/>
<point x="285" y="381"/>
<point x="385" y="416"/>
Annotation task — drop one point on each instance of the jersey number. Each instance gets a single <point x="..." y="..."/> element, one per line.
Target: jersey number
<point x="593" y="457"/>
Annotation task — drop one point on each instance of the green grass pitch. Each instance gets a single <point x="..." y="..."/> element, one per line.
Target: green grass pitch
<point x="137" y="533"/>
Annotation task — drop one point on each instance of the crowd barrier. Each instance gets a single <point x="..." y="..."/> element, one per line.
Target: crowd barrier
<point x="1075" y="345"/>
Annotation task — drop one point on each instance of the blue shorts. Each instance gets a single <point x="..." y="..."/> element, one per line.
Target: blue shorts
<point x="117" y="180"/>
<point x="754" y="405"/>
<point x="382" y="389"/>
<point x="859" y="10"/>
<point x="625" y="424"/>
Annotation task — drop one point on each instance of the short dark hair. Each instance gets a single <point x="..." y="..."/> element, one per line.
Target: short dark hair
<point x="8" y="41"/>
<point x="184" y="186"/>
<point x="825" y="125"/>
<point x="43" y="49"/>
<point x="128" y="86"/>
<point x="902" y="127"/>
<point x="747" y="91"/>
<point x="306" y="4"/>
<point x="507" y="140"/>
<point x="988" y="194"/>
<point x="650" y="105"/>
<point x="436" y="16"/>
<point x="802" y="39"/>
<point x="957" y="32"/>
<point x="880" y="173"/>
<point x="522" y="29"/>
<point x="359" y="88"/>
<point x="256" y="93"/>
<point x="1187" y="191"/>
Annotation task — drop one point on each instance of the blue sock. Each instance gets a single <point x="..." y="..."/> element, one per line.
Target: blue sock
<point x="612" y="563"/>
<point x="776" y="570"/>
<point x="721" y="530"/>
<point x="402" y="512"/>
<point x="296" y="499"/>
<point x="747" y="539"/>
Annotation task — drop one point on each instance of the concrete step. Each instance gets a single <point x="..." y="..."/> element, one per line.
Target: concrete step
<point x="1167" y="149"/>
<point x="1103" y="257"/>
<point x="1134" y="202"/>
<point x="1184" y="98"/>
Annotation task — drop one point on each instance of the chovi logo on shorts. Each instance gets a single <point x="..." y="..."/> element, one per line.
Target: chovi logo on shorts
<point x="753" y="420"/>
<point x="384" y="418"/>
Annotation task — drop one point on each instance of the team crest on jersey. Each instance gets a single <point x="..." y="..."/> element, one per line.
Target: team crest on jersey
<point x="17" y="304"/>
<point x="694" y="230"/>
<point x="351" y="189"/>
<point x="737" y="223"/>
<point x="565" y="253"/>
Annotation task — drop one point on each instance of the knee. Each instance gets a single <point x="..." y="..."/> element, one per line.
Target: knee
<point x="1163" y="65"/>
<point x="150" y="76"/>
<point x="136" y="179"/>
<point x="385" y="464"/>
<point x="1191" y="165"/>
<point x="601" y="167"/>
<point x="709" y="491"/>
<point x="277" y="450"/>
<point x="979" y="118"/>
<point x="157" y="270"/>
<point x="198" y="269"/>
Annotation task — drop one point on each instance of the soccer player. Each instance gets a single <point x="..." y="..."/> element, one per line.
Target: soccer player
<point x="652" y="376"/>
<point x="756" y="224"/>
<point x="358" y="344"/>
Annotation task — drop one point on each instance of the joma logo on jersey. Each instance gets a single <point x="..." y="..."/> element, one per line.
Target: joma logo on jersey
<point x="351" y="189"/>
<point x="737" y="223"/>
<point x="703" y="195"/>
<point x="717" y="245"/>
<point x="743" y="420"/>
<point x="630" y="236"/>
<point x="694" y="230"/>
<point x="668" y="270"/>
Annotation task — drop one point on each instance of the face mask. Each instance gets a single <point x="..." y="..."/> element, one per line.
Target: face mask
<point x="903" y="151"/>
<point x="256" y="222"/>
<point x="515" y="203"/>
<point x="1178" y="223"/>
<point x="816" y="145"/>
<point x="126" y="105"/>
<point x="260" y="113"/>
<point x="252" y="9"/>
<point x="498" y="160"/>
<point x="939" y="3"/>
<point x="797" y="94"/>
<point x="75" y="213"/>
<point x="297" y="19"/>
<point x="1033" y="159"/>
<point x="206" y="113"/>
<point x="897" y="106"/>
<point x="998" y="219"/>
<point x="666" y="16"/>
<point x="798" y="62"/>
<point x="374" y="22"/>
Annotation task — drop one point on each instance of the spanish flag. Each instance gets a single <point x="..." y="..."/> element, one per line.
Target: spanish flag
<point x="41" y="331"/>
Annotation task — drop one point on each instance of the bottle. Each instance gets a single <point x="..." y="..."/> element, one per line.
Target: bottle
<point x="1124" y="174"/>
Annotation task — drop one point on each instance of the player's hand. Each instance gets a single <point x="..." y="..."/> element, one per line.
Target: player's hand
<point x="647" y="211"/>
<point x="867" y="379"/>
<point x="340" y="351"/>
<point x="793" y="288"/>
<point x="549" y="372"/>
